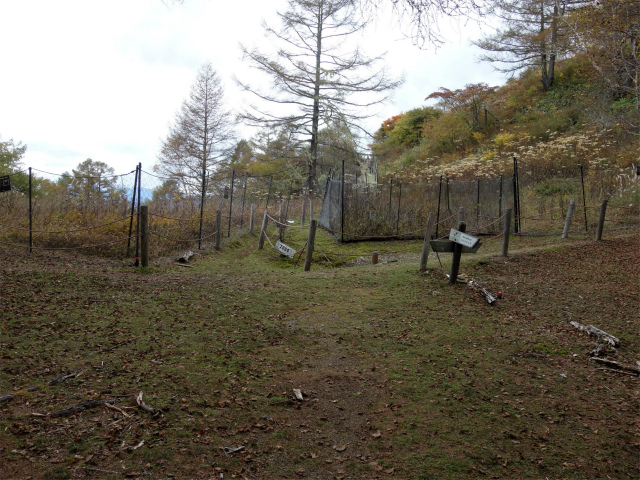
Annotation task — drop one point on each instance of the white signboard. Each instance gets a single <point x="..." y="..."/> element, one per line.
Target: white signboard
<point x="285" y="249"/>
<point x="463" y="238"/>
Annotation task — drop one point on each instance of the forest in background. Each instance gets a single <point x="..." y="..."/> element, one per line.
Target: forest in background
<point x="572" y="100"/>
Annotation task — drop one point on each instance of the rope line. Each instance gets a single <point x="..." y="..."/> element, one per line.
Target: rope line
<point x="69" y="248"/>
<point x="194" y="219"/>
<point x="323" y="254"/>
<point x="485" y="226"/>
<point x="185" y="240"/>
<point x="284" y="224"/>
<point x="94" y="176"/>
<point x="269" y="240"/>
<point x="441" y="222"/>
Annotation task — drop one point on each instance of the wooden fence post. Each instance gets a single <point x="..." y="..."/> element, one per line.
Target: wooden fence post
<point x="263" y="230"/>
<point x="603" y="213"/>
<point x="460" y="215"/>
<point x="311" y="242"/>
<point x="506" y="233"/>
<point x="251" y="218"/>
<point x="144" y="241"/>
<point x="218" y="228"/>
<point x="280" y="222"/>
<point x="457" y="254"/>
<point x="567" y="223"/>
<point x="426" y="244"/>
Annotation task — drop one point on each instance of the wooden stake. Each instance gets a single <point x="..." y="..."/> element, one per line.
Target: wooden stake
<point x="310" y="245"/>
<point x="567" y="223"/>
<point x="603" y="213"/>
<point x="427" y="243"/>
<point x="263" y="230"/>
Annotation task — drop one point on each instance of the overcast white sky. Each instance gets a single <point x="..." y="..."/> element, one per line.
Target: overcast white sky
<point x="102" y="79"/>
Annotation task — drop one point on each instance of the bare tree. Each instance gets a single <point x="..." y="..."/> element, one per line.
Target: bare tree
<point x="314" y="78"/>
<point x="424" y="16"/>
<point x="201" y="135"/>
<point x="531" y="37"/>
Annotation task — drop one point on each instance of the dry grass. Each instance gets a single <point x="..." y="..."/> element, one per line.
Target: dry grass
<point x="404" y="376"/>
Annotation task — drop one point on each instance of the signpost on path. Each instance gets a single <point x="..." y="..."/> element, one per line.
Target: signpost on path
<point x="458" y="243"/>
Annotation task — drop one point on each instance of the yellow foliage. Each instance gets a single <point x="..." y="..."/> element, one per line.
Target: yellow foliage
<point x="503" y="139"/>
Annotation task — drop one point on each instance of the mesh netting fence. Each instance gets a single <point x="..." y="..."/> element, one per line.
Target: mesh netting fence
<point x="98" y="214"/>
<point x="538" y="197"/>
<point x="400" y="210"/>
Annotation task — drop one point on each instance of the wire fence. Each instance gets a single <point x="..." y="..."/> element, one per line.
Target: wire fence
<point x="99" y="214"/>
<point x="539" y="198"/>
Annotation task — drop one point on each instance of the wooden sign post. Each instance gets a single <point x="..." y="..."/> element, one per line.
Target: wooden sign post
<point x="458" y="243"/>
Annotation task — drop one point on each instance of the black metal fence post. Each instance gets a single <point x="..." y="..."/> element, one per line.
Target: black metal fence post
<point x="516" y="197"/>
<point x="399" y="202"/>
<point x="438" y="215"/>
<point x="390" y="193"/>
<point x="448" y="203"/>
<point x="133" y="206"/>
<point x="244" y="196"/>
<point x="500" y="199"/>
<point x="30" y="214"/>
<point x="478" y="204"/>
<point x="137" y="261"/>
<point x="342" y="205"/>
<point x="233" y="177"/>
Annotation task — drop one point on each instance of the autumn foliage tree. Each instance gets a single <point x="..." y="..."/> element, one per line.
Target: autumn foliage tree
<point x="472" y="101"/>
<point x="607" y="33"/>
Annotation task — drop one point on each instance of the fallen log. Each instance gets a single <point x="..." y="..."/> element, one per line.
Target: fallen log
<point x="596" y="332"/>
<point x="487" y="295"/>
<point x="617" y="366"/>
